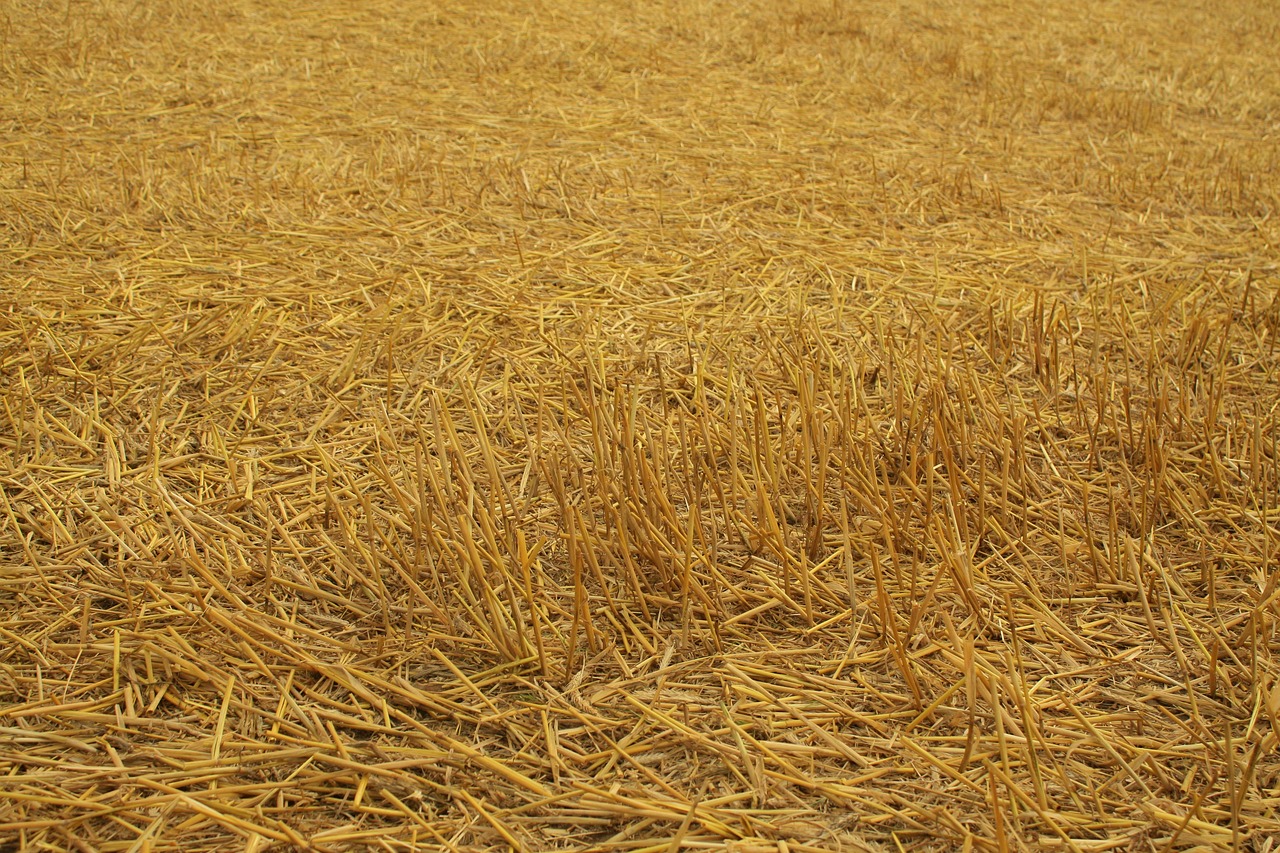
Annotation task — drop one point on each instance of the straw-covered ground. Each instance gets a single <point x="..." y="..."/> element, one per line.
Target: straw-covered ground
<point x="639" y="426"/>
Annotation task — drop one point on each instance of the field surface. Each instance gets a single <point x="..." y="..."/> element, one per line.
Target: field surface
<point x="639" y="426"/>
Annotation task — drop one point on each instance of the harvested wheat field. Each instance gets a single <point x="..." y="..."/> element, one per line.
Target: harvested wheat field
<point x="639" y="426"/>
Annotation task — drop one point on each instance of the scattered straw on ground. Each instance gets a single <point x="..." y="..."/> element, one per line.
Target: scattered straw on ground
<point x="639" y="426"/>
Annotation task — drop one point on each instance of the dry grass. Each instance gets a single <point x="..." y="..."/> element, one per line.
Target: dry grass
<point x="469" y="426"/>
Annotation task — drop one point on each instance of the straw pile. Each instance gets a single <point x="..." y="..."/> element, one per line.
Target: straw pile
<point x="639" y="426"/>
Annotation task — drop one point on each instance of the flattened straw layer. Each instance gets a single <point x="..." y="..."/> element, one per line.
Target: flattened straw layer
<point x="768" y="428"/>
